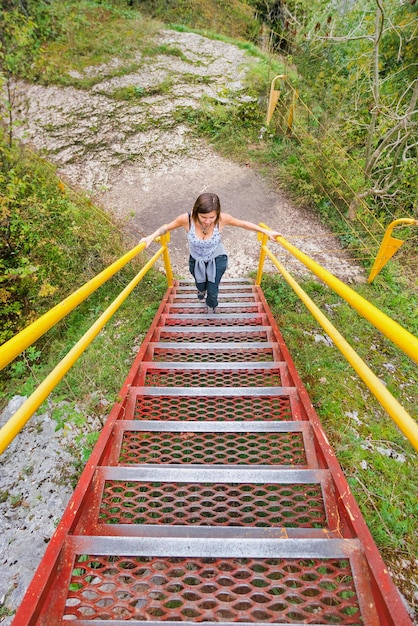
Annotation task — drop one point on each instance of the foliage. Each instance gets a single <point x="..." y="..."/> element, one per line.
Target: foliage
<point x="45" y="232"/>
<point x="233" y="18"/>
<point x="360" y="64"/>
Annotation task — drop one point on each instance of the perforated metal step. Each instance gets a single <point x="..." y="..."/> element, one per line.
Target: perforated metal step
<point x="244" y="374"/>
<point x="162" y="579"/>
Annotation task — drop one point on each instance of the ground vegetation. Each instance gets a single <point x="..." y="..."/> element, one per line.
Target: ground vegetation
<point x="349" y="157"/>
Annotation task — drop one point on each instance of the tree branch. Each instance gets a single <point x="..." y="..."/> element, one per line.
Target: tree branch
<point x="401" y="124"/>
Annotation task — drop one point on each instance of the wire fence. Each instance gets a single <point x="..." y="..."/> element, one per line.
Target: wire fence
<point x="333" y="170"/>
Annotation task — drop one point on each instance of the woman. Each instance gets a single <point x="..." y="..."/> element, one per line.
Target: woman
<point x="208" y="258"/>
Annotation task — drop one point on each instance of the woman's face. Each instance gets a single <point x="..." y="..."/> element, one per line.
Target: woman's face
<point x="206" y="219"/>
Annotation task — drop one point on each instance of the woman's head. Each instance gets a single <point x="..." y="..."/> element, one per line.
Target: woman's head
<point x="207" y="203"/>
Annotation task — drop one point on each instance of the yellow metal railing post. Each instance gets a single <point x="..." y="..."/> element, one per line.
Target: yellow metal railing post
<point x="406" y="341"/>
<point x="404" y="421"/>
<point x="389" y="246"/>
<point x="263" y="239"/>
<point x="164" y="240"/>
<point x="274" y="97"/>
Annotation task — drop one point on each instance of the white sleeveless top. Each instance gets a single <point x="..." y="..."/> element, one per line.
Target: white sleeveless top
<point x="204" y="251"/>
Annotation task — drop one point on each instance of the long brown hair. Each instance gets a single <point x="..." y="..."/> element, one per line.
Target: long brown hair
<point x="206" y="203"/>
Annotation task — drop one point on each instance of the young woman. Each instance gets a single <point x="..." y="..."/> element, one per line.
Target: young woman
<point x="208" y="258"/>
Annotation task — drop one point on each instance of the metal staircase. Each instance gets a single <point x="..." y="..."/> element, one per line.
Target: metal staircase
<point x="213" y="494"/>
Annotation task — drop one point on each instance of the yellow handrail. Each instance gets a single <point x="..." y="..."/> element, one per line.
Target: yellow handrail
<point x="17" y="344"/>
<point x="404" y="421"/>
<point x="391" y="329"/>
<point x="15" y="424"/>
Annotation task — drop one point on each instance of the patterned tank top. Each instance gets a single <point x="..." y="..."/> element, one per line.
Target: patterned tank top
<point x="204" y="251"/>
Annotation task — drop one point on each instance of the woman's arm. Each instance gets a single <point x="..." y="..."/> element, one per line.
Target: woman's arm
<point x="181" y="220"/>
<point x="228" y="220"/>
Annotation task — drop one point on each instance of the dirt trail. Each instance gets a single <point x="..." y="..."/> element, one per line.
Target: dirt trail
<point x="145" y="167"/>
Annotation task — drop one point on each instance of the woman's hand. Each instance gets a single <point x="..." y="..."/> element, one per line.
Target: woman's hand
<point x="147" y="240"/>
<point x="273" y="234"/>
<point x="157" y="233"/>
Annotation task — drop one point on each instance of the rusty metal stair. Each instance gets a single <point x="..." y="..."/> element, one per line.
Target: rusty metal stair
<point x="212" y="495"/>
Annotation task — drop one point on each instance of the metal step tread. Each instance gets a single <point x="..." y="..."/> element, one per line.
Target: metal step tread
<point x="221" y="305"/>
<point x="256" y="426"/>
<point x="211" y="329"/>
<point x="256" y="501"/>
<point x="230" y="345"/>
<point x="212" y="392"/>
<point x="240" y="444"/>
<point x="167" y="546"/>
<point x="213" y="579"/>
<point x="222" y="296"/>
<point x="222" y="316"/>
<point x="213" y="474"/>
<point x="190" y="281"/>
<point x="196" y="366"/>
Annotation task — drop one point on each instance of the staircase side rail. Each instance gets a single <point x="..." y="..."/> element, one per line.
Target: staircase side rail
<point x="17" y="344"/>
<point x="404" y="421"/>
<point x="391" y="608"/>
<point x="18" y="420"/>
<point x="40" y="586"/>
<point x="401" y="337"/>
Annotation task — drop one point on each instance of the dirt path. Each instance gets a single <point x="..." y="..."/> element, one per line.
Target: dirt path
<point x="145" y="167"/>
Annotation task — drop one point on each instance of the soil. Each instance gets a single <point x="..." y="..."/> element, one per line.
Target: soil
<point x="143" y="167"/>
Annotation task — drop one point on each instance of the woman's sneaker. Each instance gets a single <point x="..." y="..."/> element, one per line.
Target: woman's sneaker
<point x="201" y="295"/>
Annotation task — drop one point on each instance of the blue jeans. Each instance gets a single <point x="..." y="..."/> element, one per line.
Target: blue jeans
<point x="212" y="289"/>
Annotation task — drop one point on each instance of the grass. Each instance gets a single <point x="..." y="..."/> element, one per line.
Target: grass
<point x="379" y="463"/>
<point x="118" y="34"/>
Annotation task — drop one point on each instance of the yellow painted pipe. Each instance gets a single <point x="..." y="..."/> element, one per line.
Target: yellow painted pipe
<point x="389" y="246"/>
<point x="273" y="98"/>
<point x="17" y="344"/>
<point x="406" y="341"/>
<point x="15" y="424"/>
<point x="263" y="238"/>
<point x="164" y="240"/>
<point x="404" y="421"/>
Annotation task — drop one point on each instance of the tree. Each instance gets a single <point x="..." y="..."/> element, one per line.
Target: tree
<point x="368" y="56"/>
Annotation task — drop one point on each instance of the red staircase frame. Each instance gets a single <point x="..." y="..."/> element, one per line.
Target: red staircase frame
<point x="212" y="494"/>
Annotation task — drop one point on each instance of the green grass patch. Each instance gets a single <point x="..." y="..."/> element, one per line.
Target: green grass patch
<point x="118" y="34"/>
<point x="133" y="93"/>
<point x="379" y="463"/>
